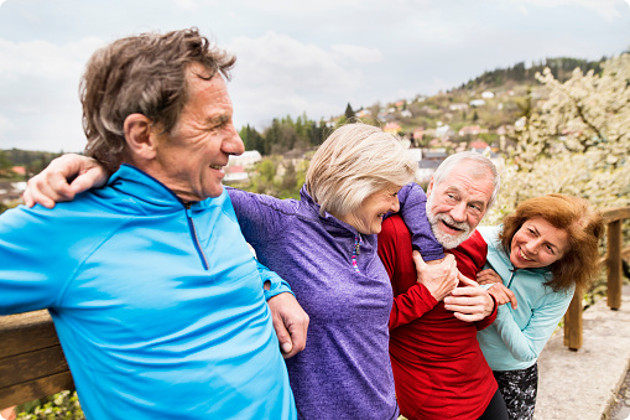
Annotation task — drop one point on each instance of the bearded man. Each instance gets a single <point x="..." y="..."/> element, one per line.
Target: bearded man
<point x="439" y="369"/>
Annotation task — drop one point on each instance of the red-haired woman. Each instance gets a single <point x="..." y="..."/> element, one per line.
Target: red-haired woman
<point x="546" y="248"/>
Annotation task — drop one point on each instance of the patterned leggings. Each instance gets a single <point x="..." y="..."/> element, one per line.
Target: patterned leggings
<point x="518" y="388"/>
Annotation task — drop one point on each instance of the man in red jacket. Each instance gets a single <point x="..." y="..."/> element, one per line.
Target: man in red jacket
<point x="439" y="369"/>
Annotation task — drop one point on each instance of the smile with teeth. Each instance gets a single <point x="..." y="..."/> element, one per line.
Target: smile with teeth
<point x="452" y="227"/>
<point x="524" y="257"/>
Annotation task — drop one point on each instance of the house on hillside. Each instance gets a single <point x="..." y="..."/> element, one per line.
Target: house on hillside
<point x="406" y="113"/>
<point x="246" y="160"/>
<point x="364" y="113"/>
<point x="458" y="107"/>
<point x="469" y="130"/>
<point x="487" y="95"/>
<point x="480" y="146"/>
<point x="444" y="132"/>
<point x="392" y="127"/>
<point x="20" y="170"/>
<point x="418" y="133"/>
<point x="475" y="103"/>
<point x="235" y="173"/>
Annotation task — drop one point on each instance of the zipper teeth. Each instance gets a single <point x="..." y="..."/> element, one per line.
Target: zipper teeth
<point x="193" y="232"/>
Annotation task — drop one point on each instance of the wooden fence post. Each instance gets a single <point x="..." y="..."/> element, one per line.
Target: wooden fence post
<point x="614" y="265"/>
<point x="573" y="322"/>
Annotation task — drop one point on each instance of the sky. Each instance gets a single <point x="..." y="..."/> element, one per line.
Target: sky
<point x="292" y="57"/>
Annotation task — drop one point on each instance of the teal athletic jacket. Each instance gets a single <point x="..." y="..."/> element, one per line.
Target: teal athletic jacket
<point x="516" y="338"/>
<point x="159" y="305"/>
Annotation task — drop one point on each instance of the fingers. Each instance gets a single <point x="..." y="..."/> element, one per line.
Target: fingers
<point x="94" y="177"/>
<point x="297" y="331"/>
<point x="284" y="338"/>
<point x="468" y="317"/>
<point x="466" y="280"/>
<point x="503" y="295"/>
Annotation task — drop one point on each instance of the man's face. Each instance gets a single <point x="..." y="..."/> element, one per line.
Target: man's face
<point x="192" y="156"/>
<point x="456" y="205"/>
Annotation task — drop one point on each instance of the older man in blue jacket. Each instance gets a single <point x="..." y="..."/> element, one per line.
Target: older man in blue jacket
<point x="159" y="306"/>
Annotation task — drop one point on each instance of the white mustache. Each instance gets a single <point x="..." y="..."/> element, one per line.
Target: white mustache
<point x="449" y="220"/>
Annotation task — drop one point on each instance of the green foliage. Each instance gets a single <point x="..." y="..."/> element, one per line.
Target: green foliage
<point x="349" y="114"/>
<point x="64" y="405"/>
<point x="285" y="134"/>
<point x="560" y="67"/>
<point x="278" y="177"/>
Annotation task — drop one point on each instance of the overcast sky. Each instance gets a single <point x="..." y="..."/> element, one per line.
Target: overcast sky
<point x="292" y="56"/>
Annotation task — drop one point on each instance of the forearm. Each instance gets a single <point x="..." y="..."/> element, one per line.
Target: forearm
<point x="411" y="305"/>
<point x="413" y="211"/>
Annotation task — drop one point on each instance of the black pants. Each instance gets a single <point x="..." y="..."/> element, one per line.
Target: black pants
<point x="496" y="409"/>
<point x="519" y="388"/>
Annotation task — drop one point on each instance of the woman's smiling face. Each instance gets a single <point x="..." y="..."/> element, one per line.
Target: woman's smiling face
<point x="537" y="244"/>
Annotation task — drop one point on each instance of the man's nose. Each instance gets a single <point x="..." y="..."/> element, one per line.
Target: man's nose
<point x="232" y="143"/>
<point x="458" y="212"/>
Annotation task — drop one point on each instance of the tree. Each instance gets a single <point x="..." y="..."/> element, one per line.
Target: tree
<point x="575" y="141"/>
<point x="349" y="114"/>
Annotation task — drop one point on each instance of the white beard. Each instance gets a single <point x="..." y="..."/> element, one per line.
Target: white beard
<point x="446" y="240"/>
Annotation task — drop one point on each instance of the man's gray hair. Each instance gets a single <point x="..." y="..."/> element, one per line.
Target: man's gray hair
<point x="454" y="160"/>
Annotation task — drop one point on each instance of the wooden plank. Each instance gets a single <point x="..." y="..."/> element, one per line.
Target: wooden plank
<point x="36" y="389"/>
<point x="33" y="365"/>
<point x="573" y="322"/>
<point x="614" y="265"/>
<point x="26" y="332"/>
<point x="616" y="213"/>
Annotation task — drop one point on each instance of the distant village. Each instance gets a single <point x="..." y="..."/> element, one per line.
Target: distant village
<point x="431" y="127"/>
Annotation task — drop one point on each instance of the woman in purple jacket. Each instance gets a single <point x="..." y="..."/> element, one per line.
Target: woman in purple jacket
<point x="324" y="245"/>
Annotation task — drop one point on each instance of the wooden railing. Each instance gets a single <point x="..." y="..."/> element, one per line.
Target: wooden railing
<point x="573" y="318"/>
<point x="32" y="364"/>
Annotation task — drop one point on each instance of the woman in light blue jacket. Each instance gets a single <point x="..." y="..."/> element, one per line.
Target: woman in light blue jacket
<point x="546" y="248"/>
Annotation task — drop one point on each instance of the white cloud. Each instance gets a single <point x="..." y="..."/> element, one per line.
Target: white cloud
<point x="357" y="53"/>
<point x="277" y="75"/>
<point x="605" y="8"/>
<point x="38" y="85"/>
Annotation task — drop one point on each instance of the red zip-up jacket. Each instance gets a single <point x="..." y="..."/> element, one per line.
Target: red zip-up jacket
<point x="439" y="369"/>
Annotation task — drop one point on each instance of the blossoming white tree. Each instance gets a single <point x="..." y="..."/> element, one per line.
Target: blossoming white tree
<point x="575" y="141"/>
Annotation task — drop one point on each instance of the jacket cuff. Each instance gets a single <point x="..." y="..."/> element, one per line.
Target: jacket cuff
<point x="277" y="286"/>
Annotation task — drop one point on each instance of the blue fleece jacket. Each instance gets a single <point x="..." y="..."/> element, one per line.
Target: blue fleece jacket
<point x="159" y="305"/>
<point x="516" y="338"/>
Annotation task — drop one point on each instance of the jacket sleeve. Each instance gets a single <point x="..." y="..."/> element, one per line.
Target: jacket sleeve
<point x="526" y="344"/>
<point x="411" y="305"/>
<point x="277" y="285"/>
<point x="487" y="321"/>
<point x="34" y="261"/>
<point x="415" y="301"/>
<point x="413" y="210"/>
<point x="262" y="218"/>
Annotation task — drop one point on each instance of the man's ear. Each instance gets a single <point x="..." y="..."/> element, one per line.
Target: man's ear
<point x="430" y="187"/>
<point x="140" y="141"/>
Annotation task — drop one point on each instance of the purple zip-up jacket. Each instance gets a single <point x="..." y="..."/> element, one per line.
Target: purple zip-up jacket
<point x="344" y="372"/>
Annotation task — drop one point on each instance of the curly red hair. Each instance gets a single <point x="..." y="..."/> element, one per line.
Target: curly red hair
<point x="583" y="225"/>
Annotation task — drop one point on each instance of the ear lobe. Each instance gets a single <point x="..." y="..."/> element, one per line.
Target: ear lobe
<point x="140" y="141"/>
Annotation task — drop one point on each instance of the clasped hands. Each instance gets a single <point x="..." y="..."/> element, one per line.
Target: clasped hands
<point x="441" y="278"/>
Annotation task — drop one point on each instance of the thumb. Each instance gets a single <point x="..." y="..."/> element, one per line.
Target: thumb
<point x="417" y="259"/>
<point x="283" y="336"/>
<point x="466" y="280"/>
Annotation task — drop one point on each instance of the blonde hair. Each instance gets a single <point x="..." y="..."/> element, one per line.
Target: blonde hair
<point x="355" y="161"/>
